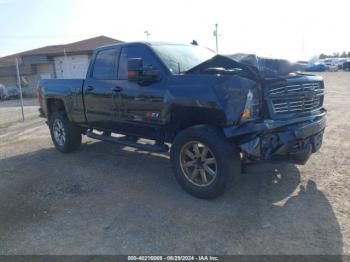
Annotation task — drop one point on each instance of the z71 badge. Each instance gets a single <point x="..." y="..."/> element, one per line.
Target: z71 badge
<point x="153" y="115"/>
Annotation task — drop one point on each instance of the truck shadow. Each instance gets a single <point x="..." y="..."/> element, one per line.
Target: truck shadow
<point x="107" y="199"/>
<point x="291" y="213"/>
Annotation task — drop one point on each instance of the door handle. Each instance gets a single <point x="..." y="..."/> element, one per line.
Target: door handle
<point x="116" y="89"/>
<point x="89" y="88"/>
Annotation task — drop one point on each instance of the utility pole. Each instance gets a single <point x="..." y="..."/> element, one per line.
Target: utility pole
<point x="216" y="38"/>
<point x="20" y="88"/>
<point x="147" y="34"/>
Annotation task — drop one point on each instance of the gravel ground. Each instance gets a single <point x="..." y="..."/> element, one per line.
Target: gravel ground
<point x="108" y="199"/>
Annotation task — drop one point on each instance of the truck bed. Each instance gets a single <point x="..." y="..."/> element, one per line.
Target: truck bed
<point x="71" y="92"/>
<point x="61" y="86"/>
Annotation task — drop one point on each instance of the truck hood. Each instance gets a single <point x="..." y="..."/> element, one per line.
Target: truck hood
<point x="266" y="66"/>
<point x="246" y="65"/>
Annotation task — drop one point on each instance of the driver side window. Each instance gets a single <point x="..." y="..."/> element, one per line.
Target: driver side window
<point x="134" y="52"/>
<point x="104" y="65"/>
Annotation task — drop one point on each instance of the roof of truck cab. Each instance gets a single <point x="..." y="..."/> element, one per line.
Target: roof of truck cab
<point x="140" y="43"/>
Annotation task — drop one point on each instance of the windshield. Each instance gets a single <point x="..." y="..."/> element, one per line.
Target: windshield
<point x="180" y="58"/>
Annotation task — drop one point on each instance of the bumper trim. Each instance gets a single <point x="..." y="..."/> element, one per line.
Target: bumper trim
<point x="294" y="143"/>
<point x="310" y="129"/>
<point x="269" y="124"/>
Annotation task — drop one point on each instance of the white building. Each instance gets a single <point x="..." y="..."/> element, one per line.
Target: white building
<point x="50" y="62"/>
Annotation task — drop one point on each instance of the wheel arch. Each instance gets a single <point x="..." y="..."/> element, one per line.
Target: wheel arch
<point x="182" y="118"/>
<point x="55" y="105"/>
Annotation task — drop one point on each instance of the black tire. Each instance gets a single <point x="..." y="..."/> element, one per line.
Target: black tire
<point x="72" y="133"/>
<point x="227" y="162"/>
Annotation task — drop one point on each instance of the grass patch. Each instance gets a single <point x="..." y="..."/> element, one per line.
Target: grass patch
<point x="5" y="125"/>
<point x="13" y="141"/>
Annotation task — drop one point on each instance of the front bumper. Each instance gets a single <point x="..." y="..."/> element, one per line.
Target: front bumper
<point x="294" y="140"/>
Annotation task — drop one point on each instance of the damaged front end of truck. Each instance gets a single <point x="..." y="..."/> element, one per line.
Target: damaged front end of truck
<point x="283" y="117"/>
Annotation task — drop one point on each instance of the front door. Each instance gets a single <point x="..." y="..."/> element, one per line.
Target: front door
<point x="140" y="105"/>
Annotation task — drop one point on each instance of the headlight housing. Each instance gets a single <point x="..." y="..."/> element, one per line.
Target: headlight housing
<point x="252" y="108"/>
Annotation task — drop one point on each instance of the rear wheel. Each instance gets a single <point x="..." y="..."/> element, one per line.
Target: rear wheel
<point x="65" y="135"/>
<point x="203" y="161"/>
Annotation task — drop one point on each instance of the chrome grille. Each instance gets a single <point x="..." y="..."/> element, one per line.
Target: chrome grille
<point x="296" y="105"/>
<point x="296" y="97"/>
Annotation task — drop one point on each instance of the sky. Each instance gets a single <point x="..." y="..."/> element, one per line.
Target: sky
<point x="291" y="29"/>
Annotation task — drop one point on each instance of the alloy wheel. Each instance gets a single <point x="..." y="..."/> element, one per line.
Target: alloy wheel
<point x="59" y="132"/>
<point x="198" y="163"/>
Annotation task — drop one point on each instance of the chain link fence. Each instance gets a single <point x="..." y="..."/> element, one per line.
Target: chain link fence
<point x="18" y="82"/>
<point x="19" y="76"/>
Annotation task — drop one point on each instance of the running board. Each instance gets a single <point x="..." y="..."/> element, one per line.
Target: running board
<point x="156" y="148"/>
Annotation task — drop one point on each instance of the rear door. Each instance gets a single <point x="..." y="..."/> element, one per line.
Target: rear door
<point x="99" y="95"/>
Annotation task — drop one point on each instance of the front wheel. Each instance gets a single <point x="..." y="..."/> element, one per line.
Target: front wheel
<point x="65" y="135"/>
<point x="203" y="161"/>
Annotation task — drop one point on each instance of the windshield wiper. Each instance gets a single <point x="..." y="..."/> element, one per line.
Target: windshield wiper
<point x="178" y="68"/>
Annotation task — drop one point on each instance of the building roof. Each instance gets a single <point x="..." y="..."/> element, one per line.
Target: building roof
<point x="87" y="45"/>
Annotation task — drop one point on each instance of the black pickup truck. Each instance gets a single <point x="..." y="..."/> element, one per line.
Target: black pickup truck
<point x="215" y="111"/>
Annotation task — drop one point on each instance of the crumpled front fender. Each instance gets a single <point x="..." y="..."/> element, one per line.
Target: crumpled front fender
<point x="232" y="96"/>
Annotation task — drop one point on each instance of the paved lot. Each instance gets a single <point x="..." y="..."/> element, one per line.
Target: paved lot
<point x="107" y="199"/>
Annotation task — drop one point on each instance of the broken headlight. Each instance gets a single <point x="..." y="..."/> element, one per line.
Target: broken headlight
<point x="252" y="107"/>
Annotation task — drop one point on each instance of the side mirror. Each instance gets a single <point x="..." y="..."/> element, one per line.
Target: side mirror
<point x="135" y="66"/>
<point x="137" y="72"/>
